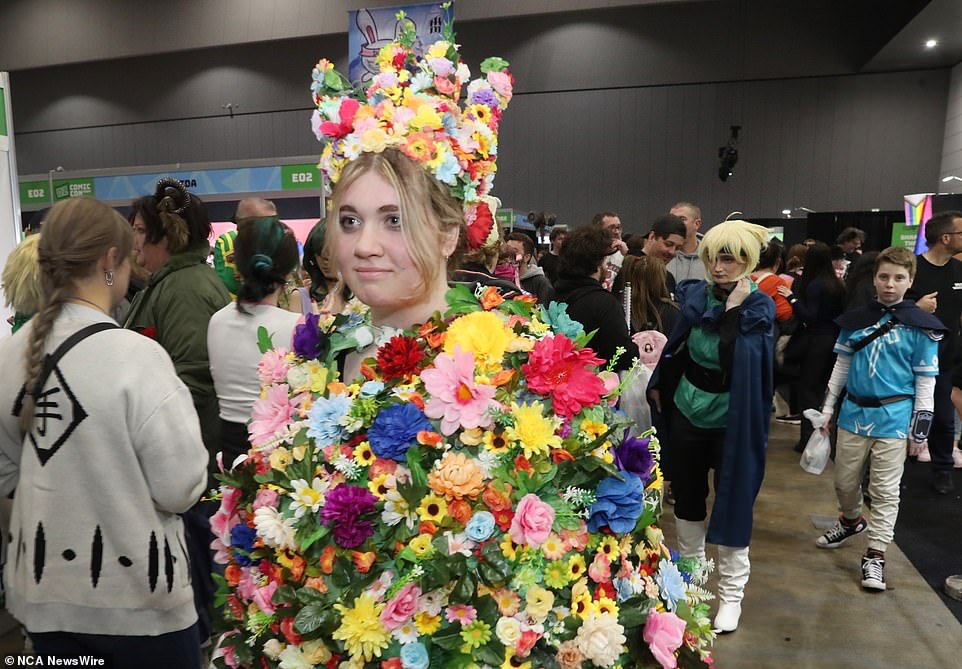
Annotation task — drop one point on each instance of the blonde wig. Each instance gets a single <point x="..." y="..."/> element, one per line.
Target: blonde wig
<point x="739" y="238"/>
<point x="21" y="277"/>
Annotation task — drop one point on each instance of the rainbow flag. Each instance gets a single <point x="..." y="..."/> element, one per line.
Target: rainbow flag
<point x="918" y="210"/>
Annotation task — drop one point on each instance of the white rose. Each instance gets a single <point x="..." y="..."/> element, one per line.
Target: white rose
<point x="601" y="638"/>
<point x="508" y="631"/>
<point x="273" y="648"/>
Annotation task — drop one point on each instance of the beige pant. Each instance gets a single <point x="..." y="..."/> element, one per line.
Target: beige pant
<point x="886" y="459"/>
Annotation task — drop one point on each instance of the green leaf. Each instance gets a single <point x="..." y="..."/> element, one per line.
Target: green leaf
<point x="311" y="618"/>
<point x="633" y="612"/>
<point x="493" y="64"/>
<point x="465" y="587"/>
<point x="492" y="653"/>
<point x="449" y="639"/>
<point x="461" y="300"/>
<point x="284" y="595"/>
<point x="308" y="596"/>
<point x="318" y="534"/>
<point x="264" y="342"/>
<point x="418" y="477"/>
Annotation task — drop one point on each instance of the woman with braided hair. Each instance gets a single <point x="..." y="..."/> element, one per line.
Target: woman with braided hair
<point x="265" y="253"/>
<point x="171" y="232"/>
<point x="101" y="463"/>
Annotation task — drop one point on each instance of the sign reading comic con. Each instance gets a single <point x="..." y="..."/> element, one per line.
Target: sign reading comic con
<point x="9" y="191"/>
<point x="370" y="29"/>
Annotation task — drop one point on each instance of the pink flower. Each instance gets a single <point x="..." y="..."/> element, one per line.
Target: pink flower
<point x="663" y="634"/>
<point x="455" y="398"/>
<point x="265" y="497"/>
<point x="248" y="583"/>
<point x="345" y="113"/>
<point x="263" y="596"/>
<point x="270" y="414"/>
<point x="532" y="521"/>
<point x="442" y="67"/>
<point x="556" y="368"/>
<point x="461" y="613"/>
<point x="443" y="86"/>
<point x="600" y="569"/>
<point x="501" y="82"/>
<point x="273" y="367"/>
<point x="400" y="609"/>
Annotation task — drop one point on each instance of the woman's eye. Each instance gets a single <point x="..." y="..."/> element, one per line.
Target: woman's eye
<point x="394" y="221"/>
<point x="349" y="222"/>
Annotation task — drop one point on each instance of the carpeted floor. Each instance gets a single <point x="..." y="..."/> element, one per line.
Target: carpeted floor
<point x="929" y="528"/>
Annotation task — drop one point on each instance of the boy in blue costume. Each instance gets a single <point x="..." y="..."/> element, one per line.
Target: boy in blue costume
<point x="887" y="362"/>
<point x="717" y="369"/>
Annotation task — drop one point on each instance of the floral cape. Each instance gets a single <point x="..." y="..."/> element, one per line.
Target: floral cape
<point x="474" y="500"/>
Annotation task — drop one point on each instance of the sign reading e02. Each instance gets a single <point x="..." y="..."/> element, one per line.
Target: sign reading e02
<point x="300" y="176"/>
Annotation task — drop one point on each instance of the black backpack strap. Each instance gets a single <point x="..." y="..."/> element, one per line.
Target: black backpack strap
<point x="50" y="360"/>
<point x="884" y="329"/>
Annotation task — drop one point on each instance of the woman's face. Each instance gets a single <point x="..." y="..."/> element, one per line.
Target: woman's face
<point x="727" y="269"/>
<point x="372" y="254"/>
<point x="149" y="256"/>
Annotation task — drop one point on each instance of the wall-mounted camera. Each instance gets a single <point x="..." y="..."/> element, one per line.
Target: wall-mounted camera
<point x="728" y="155"/>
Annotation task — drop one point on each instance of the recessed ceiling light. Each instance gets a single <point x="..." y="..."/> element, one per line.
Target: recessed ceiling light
<point x="931" y="43"/>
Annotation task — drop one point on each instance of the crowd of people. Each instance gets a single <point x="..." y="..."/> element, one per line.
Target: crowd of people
<point x="136" y="364"/>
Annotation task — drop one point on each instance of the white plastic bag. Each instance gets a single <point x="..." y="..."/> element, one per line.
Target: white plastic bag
<point x="634" y="400"/>
<point x="817" y="450"/>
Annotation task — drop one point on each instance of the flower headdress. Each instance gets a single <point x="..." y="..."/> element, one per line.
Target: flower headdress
<point x="413" y="104"/>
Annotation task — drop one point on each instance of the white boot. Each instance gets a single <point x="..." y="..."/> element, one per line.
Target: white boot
<point x="691" y="538"/>
<point x="733" y="570"/>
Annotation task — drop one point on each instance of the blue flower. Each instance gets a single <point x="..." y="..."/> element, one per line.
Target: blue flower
<point x="447" y="172"/>
<point x="619" y="504"/>
<point x="634" y="455"/>
<point x="415" y="656"/>
<point x="323" y="419"/>
<point x="623" y="589"/>
<point x="308" y="342"/>
<point x="480" y="527"/>
<point x="395" y="429"/>
<point x="671" y="583"/>
<point x="371" y="388"/>
<point x="556" y="315"/>
<point x="242" y="541"/>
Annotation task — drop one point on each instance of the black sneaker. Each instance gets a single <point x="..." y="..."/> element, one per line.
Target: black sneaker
<point x="840" y="533"/>
<point x="793" y="419"/>
<point x="873" y="572"/>
<point x="942" y="482"/>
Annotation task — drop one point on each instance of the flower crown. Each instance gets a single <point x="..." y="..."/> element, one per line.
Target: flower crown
<point x="412" y="104"/>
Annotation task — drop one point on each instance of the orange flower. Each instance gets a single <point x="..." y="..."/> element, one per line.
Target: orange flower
<point x="491" y="298"/>
<point x="327" y="559"/>
<point x="521" y="464"/>
<point x="363" y="561"/>
<point x="559" y="455"/>
<point x="436" y="340"/>
<point x="232" y="573"/>
<point x="502" y="378"/>
<point x="460" y="511"/>
<point x="427" y="438"/>
<point x="367" y="372"/>
<point x="316" y="582"/>
<point x="417" y="401"/>
<point x="336" y="388"/>
<point x="457" y="476"/>
<point x="382" y="466"/>
<point x="427" y="527"/>
<point x="497" y="500"/>
<point x="298" y="564"/>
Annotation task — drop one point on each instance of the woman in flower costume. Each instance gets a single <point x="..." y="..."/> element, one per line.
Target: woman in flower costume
<point x="717" y="368"/>
<point x="437" y="476"/>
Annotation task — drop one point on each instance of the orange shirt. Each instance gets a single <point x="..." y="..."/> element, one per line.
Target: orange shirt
<point x="769" y="285"/>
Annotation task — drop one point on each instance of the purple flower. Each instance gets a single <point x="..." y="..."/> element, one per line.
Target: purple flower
<point x="308" y="341"/>
<point x="395" y="429"/>
<point x="484" y="96"/>
<point x="345" y="506"/>
<point x="634" y="455"/>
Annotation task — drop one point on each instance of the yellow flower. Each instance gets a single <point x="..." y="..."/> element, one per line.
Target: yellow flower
<point x="576" y="567"/>
<point x="299" y="452"/>
<point x="495" y="442"/>
<point x="512" y="661"/>
<point x="361" y="629"/>
<point x="433" y="508"/>
<point x="421" y="545"/>
<point x="471" y="436"/>
<point x="426" y="118"/>
<point x="581" y="605"/>
<point x="280" y="458"/>
<point x="605" y="605"/>
<point x="533" y="430"/>
<point x="610" y="547"/>
<point x="556" y="574"/>
<point x="426" y="623"/>
<point x="508" y="548"/>
<point x="538" y="602"/>
<point x="538" y="327"/>
<point x="380" y="486"/>
<point x="317" y="376"/>
<point x="592" y="430"/>
<point x="315" y="652"/>
<point x="438" y="50"/>
<point x="481" y="333"/>
<point x="480" y="112"/>
<point x="374" y="140"/>
<point x="363" y="455"/>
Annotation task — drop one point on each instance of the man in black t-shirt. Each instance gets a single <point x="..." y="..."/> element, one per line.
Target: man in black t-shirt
<point x="938" y="288"/>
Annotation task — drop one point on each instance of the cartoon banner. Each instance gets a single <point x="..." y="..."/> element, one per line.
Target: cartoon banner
<point x="370" y="29"/>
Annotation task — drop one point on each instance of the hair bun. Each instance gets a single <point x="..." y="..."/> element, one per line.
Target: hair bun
<point x="172" y="196"/>
<point x="261" y="262"/>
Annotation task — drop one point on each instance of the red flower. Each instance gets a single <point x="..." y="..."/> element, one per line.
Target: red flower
<point x="503" y="519"/>
<point x="556" y="368"/>
<point x="346" y="113"/>
<point x="399" y="358"/>
<point x="393" y="663"/>
<point x="479" y="223"/>
<point x="605" y="590"/>
<point x="287" y="628"/>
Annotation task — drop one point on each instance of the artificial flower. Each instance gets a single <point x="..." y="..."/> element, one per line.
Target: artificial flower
<point x="600" y="639"/>
<point x="361" y="629"/>
<point x="399" y="358"/>
<point x="270" y="414"/>
<point x="395" y="429"/>
<point x="532" y="521"/>
<point x="457" y="476"/>
<point x="456" y="398"/>
<point x="402" y="607"/>
<point x="348" y="508"/>
<point x="482" y="334"/>
<point x="534" y="431"/>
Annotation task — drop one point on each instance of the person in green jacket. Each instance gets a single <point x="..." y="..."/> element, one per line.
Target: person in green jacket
<point x="171" y="232"/>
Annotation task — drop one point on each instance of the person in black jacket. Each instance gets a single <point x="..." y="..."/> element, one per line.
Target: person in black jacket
<point x="582" y="267"/>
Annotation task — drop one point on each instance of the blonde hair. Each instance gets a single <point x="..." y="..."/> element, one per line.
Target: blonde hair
<point x="648" y="279"/>
<point x="740" y="238"/>
<point x="76" y="233"/>
<point x="21" y="277"/>
<point x="429" y="212"/>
